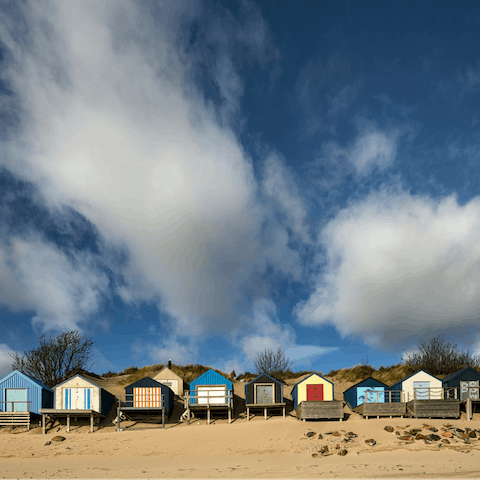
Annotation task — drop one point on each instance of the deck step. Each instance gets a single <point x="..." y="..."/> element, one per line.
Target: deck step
<point x="15" y="419"/>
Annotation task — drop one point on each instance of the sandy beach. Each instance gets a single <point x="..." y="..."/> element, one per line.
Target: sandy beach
<point x="275" y="448"/>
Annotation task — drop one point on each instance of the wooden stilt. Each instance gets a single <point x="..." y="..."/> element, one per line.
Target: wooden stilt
<point x="163" y="418"/>
<point x="68" y="422"/>
<point x="208" y="416"/>
<point x="43" y="424"/>
<point x="91" y="422"/>
<point x="248" y="414"/>
<point x="229" y="415"/>
<point x="265" y="412"/>
<point x="283" y="412"/>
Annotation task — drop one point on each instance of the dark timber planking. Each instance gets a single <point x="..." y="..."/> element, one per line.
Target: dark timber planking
<point x="446" y="408"/>
<point x="318" y="410"/>
<point x="392" y="409"/>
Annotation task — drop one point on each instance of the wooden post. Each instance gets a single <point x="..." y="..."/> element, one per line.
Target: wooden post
<point x="265" y="412"/>
<point x="68" y="422"/>
<point x="118" y="415"/>
<point x="229" y="415"/>
<point x="91" y="421"/>
<point x="163" y="418"/>
<point x="248" y="414"/>
<point x="208" y="414"/>
<point x="43" y="424"/>
<point x="284" y="411"/>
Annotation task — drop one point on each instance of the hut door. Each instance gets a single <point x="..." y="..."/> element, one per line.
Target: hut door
<point x="473" y="387"/>
<point x="213" y="395"/>
<point x="16" y="395"/>
<point x="314" y="393"/>
<point x="147" y="397"/>
<point x="264" y="394"/>
<point x="421" y="390"/>
<point x="463" y="390"/>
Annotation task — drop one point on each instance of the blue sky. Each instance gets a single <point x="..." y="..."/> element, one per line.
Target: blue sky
<point x="203" y="180"/>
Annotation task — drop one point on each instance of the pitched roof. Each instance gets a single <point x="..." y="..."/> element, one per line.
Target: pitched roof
<point x="453" y="375"/>
<point x="364" y="380"/>
<point x="414" y="373"/>
<point x="29" y="377"/>
<point x="317" y="374"/>
<point x="266" y="375"/>
<point x="77" y="375"/>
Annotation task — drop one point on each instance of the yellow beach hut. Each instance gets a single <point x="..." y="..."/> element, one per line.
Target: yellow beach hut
<point x="313" y="397"/>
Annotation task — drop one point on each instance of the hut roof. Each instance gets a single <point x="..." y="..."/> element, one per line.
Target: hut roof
<point x="77" y="375"/>
<point x="147" y="381"/>
<point x="213" y="375"/>
<point x="263" y="375"/>
<point x="412" y="374"/>
<point x="381" y="384"/>
<point x="311" y="375"/>
<point x="459" y="373"/>
<point x="28" y="377"/>
<point x="169" y="370"/>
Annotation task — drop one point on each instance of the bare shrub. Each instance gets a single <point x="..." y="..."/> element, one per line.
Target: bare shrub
<point x="440" y="357"/>
<point x="273" y="363"/>
<point x="57" y="358"/>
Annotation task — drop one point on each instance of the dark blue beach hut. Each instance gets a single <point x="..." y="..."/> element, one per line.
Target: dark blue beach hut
<point x="147" y="393"/>
<point x="19" y="387"/>
<point x="356" y="394"/>
<point x="467" y="382"/>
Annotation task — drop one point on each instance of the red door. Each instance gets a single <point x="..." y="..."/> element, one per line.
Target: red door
<point x="314" y="392"/>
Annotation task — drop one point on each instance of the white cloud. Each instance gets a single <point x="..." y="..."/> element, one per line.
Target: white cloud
<point x="112" y="127"/>
<point x="373" y="149"/>
<point x="278" y="184"/>
<point x="36" y="276"/>
<point x="5" y="359"/>
<point x="398" y="267"/>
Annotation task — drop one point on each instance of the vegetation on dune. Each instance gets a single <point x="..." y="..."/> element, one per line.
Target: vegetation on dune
<point x="440" y="357"/>
<point x="187" y="372"/>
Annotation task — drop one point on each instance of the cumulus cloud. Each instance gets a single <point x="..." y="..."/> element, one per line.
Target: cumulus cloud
<point x="399" y="266"/>
<point x="112" y="127"/>
<point x="63" y="291"/>
<point x="5" y="359"/>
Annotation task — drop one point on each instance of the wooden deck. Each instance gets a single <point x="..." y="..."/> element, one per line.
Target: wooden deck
<point x="332" y="409"/>
<point x="371" y="409"/>
<point x="15" y="419"/>
<point x="55" y="413"/>
<point x="265" y="407"/>
<point x="445" y="408"/>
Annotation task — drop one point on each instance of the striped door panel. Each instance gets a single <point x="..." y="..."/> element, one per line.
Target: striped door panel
<point x="147" y="397"/>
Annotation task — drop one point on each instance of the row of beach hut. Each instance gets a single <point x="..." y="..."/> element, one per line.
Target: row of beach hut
<point x="420" y="394"/>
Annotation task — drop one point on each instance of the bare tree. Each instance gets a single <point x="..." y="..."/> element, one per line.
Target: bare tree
<point x="57" y="358"/>
<point x="273" y="363"/>
<point x="439" y="357"/>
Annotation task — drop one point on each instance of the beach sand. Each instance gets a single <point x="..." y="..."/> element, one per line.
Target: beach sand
<point x="273" y="448"/>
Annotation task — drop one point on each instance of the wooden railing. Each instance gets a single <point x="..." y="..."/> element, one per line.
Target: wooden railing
<point x="387" y="396"/>
<point x="209" y="398"/>
<point x="432" y="393"/>
<point x="11" y="403"/>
